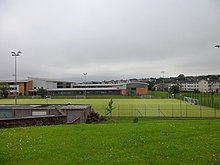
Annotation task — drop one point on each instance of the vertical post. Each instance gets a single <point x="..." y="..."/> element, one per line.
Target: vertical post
<point x="104" y="109"/>
<point x="200" y="111"/>
<point x="132" y="110"/>
<point x="145" y="110"/>
<point x="172" y="110"/>
<point x="118" y="110"/>
<point x="215" y="112"/>
<point x="186" y="111"/>
<point x="180" y="106"/>
<point x="158" y="110"/>
<point x="15" y="84"/>
<point x="217" y="105"/>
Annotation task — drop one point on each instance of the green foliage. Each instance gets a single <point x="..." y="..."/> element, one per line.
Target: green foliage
<point x="4" y="89"/>
<point x="150" y="86"/>
<point x="94" y="117"/>
<point x="42" y="92"/>
<point x="135" y="120"/>
<point x="148" y="142"/>
<point x="174" y="90"/>
<point x="109" y="108"/>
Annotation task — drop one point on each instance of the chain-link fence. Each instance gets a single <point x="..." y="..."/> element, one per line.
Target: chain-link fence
<point x="181" y="110"/>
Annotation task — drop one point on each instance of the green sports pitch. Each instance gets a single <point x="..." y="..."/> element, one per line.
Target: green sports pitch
<point x="134" y="107"/>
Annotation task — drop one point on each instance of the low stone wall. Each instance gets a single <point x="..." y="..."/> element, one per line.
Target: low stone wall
<point x="32" y="121"/>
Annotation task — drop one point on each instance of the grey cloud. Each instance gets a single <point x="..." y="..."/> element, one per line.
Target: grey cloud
<point x="109" y="39"/>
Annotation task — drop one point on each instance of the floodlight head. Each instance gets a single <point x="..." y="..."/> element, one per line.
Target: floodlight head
<point x="19" y="51"/>
<point x="217" y="46"/>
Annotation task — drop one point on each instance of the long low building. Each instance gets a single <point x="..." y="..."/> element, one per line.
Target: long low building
<point x="125" y="89"/>
<point x="68" y="88"/>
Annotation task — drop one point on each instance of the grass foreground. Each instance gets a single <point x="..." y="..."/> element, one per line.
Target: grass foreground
<point x="117" y="142"/>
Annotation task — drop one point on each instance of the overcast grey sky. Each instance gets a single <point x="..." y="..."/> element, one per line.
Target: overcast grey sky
<point x="109" y="39"/>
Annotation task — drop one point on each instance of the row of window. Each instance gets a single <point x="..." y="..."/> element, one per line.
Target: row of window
<point x="73" y="93"/>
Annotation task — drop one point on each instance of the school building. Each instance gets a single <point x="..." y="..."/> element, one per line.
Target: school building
<point x="68" y="88"/>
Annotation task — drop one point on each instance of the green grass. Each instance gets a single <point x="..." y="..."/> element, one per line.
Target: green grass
<point x="134" y="107"/>
<point x="121" y="142"/>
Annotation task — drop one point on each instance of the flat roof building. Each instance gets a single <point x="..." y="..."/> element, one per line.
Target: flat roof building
<point x="68" y="88"/>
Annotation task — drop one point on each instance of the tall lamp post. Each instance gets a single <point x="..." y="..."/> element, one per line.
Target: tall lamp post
<point x="85" y="74"/>
<point x="15" y="84"/>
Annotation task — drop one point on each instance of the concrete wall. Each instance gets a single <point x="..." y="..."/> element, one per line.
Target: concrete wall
<point x="72" y="113"/>
<point x="39" y="83"/>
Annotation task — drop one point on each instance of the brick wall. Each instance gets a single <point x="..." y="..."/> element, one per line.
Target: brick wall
<point x="29" y="86"/>
<point x="21" y="88"/>
<point x="123" y="92"/>
<point x="141" y="91"/>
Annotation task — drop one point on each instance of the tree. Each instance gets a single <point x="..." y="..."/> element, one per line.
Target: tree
<point x="109" y="108"/>
<point x="175" y="89"/>
<point x="4" y="89"/>
<point x="150" y="86"/>
<point x="42" y="92"/>
<point x="181" y="77"/>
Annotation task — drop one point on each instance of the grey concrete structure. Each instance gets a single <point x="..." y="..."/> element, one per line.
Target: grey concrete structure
<point x="73" y="113"/>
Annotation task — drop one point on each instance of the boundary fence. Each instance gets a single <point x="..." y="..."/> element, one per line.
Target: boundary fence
<point x="182" y="110"/>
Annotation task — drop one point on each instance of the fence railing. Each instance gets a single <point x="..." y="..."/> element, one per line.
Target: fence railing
<point x="182" y="110"/>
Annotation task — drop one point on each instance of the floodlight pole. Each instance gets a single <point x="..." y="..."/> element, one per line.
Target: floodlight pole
<point x="85" y="74"/>
<point x="15" y="84"/>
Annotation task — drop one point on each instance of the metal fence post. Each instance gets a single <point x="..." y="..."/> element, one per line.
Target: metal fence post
<point x="132" y="110"/>
<point x="145" y="106"/>
<point x="158" y="110"/>
<point x="200" y="111"/>
<point x="186" y="111"/>
<point x="172" y="110"/>
<point x="215" y="112"/>
<point x="118" y="110"/>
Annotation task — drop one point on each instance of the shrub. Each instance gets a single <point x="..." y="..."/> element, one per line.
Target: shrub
<point x="109" y="108"/>
<point x="94" y="117"/>
<point x="135" y="120"/>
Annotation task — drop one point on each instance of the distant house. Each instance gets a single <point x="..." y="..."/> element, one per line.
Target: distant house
<point x="201" y="86"/>
<point x="214" y="86"/>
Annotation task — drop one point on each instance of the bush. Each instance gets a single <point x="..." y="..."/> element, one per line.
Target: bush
<point x="94" y="117"/>
<point x="135" y="120"/>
